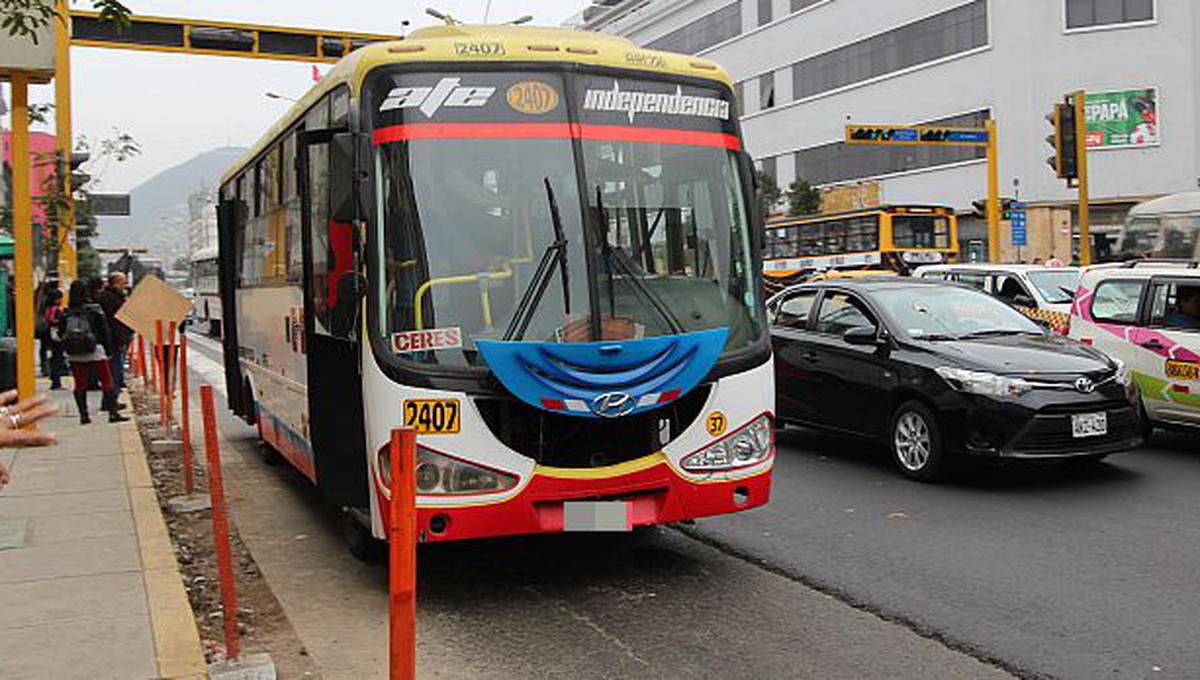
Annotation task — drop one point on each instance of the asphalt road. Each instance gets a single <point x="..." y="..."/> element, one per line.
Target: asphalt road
<point x="850" y="572"/>
<point x="1049" y="570"/>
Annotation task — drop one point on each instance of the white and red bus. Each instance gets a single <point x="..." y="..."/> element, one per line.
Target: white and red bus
<point x="536" y="247"/>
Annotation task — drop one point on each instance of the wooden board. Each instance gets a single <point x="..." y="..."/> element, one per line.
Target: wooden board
<point x="151" y="300"/>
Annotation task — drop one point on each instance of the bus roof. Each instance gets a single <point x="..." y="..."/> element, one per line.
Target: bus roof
<point x="504" y="44"/>
<point x="1185" y="203"/>
<point x="914" y="208"/>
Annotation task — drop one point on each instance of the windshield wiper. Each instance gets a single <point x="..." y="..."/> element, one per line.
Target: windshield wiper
<point x="996" y="332"/>
<point x="615" y="257"/>
<point x="554" y="254"/>
<point x="935" y="337"/>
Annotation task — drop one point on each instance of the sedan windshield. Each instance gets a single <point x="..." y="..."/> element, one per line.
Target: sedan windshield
<point x="950" y="312"/>
<point x="1056" y="285"/>
<point x="485" y="230"/>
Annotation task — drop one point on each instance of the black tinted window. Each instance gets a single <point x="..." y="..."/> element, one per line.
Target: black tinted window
<point x="794" y="311"/>
<point x="841" y="312"/>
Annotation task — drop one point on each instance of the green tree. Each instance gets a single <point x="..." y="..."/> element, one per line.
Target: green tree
<point x="88" y="262"/>
<point x="769" y="193"/>
<point x="24" y="18"/>
<point x="803" y="198"/>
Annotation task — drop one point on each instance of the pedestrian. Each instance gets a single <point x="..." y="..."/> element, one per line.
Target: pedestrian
<point x="41" y="331"/>
<point x="57" y="361"/>
<point x="88" y="343"/>
<point x="1054" y="261"/>
<point x="110" y="299"/>
<point x="15" y="416"/>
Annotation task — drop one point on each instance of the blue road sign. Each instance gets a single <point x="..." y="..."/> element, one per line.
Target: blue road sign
<point x="1018" y="224"/>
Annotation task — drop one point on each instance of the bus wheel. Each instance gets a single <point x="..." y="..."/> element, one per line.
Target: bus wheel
<point x="359" y="540"/>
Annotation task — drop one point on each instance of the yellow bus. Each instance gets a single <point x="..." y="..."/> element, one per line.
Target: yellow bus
<point x="896" y="238"/>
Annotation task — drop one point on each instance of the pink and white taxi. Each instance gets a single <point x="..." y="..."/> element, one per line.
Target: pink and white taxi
<point x="1146" y="314"/>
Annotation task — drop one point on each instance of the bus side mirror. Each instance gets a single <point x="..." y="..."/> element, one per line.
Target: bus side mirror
<point x="343" y="178"/>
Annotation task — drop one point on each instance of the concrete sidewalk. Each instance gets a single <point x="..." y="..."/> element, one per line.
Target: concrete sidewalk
<point x="89" y="585"/>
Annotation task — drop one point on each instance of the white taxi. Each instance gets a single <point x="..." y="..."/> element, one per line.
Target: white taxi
<point x="1147" y="315"/>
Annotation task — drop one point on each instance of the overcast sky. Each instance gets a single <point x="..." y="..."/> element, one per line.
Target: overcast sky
<point x="177" y="106"/>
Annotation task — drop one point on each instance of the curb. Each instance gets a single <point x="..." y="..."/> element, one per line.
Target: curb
<point x="176" y="640"/>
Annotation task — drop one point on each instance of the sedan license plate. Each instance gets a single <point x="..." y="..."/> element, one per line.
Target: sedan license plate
<point x="595" y="516"/>
<point x="1089" y="424"/>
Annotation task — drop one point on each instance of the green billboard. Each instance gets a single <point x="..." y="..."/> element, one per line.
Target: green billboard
<point x="1125" y="119"/>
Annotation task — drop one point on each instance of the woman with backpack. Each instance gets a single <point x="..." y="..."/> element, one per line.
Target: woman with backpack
<point x="86" y="340"/>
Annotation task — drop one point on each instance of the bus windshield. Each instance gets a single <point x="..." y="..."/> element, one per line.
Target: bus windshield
<point x="920" y="231"/>
<point x="503" y="215"/>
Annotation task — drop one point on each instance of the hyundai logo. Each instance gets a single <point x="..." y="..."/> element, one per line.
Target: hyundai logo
<point x="613" y="405"/>
<point x="1085" y="386"/>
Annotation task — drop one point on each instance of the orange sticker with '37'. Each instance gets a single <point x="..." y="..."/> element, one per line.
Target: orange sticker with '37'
<point x="1183" y="370"/>
<point x="716" y="423"/>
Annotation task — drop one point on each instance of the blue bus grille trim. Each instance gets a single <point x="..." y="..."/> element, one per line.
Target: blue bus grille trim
<point x="604" y="379"/>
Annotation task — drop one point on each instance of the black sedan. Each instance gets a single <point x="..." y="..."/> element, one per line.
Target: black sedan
<point x="939" y="371"/>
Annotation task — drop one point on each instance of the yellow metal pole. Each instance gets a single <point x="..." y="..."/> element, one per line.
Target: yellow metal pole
<point x="22" y="233"/>
<point x="993" y="197"/>
<point x="62" y="129"/>
<point x="1085" y="233"/>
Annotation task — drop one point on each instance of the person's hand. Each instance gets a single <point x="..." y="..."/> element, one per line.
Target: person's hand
<point x="14" y="416"/>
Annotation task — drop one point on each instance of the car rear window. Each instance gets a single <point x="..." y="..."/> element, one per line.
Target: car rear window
<point x="1117" y="301"/>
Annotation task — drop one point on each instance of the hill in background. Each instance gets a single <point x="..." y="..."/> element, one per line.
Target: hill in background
<point x="159" y="206"/>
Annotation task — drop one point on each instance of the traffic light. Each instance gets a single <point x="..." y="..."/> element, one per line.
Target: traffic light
<point x="1064" y="141"/>
<point x="1006" y="204"/>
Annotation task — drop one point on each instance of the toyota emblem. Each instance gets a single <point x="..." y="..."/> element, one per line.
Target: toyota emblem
<point x="1085" y="386"/>
<point x="613" y="405"/>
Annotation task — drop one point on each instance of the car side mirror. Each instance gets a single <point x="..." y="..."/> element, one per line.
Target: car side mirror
<point x="862" y="336"/>
<point x="1024" y="300"/>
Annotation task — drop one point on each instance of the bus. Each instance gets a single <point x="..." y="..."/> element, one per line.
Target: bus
<point x="1162" y="228"/>
<point x="533" y="246"/>
<point x="206" y="305"/>
<point x="897" y="238"/>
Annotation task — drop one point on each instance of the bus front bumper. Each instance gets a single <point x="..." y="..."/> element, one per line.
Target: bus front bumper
<point x="652" y="496"/>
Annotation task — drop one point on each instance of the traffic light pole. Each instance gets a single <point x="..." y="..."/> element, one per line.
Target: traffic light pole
<point x="1085" y="234"/>
<point x="22" y="234"/>
<point x="62" y="141"/>
<point x="993" y="188"/>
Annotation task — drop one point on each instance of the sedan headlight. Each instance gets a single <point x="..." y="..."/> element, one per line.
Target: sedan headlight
<point x="1123" y="376"/>
<point x="751" y="444"/>
<point x="440" y="474"/>
<point x="982" y="382"/>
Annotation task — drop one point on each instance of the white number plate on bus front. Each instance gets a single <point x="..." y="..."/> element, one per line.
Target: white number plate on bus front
<point x="595" y="516"/>
<point x="1089" y="424"/>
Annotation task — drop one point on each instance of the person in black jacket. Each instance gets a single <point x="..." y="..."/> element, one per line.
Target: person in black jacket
<point x="111" y="298"/>
<point x="85" y="338"/>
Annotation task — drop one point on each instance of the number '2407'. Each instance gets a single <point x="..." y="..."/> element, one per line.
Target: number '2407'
<point x="432" y="416"/>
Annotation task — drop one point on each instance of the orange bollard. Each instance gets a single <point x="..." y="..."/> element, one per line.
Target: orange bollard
<point x="220" y="522"/>
<point x="189" y="481"/>
<point x="159" y="384"/>
<point x="153" y="367"/>
<point x="402" y="562"/>
<point x="141" y="359"/>
<point x="170" y="374"/>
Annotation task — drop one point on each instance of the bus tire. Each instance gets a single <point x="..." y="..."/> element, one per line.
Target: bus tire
<point x="359" y="540"/>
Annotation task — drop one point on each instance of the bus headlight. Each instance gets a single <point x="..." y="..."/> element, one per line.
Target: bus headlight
<point x="751" y="444"/>
<point x="440" y="474"/>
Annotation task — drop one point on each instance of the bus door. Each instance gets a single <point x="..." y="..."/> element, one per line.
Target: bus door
<point x="335" y="403"/>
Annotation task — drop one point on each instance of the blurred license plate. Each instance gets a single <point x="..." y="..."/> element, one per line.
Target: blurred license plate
<point x="1089" y="424"/>
<point x="595" y="516"/>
